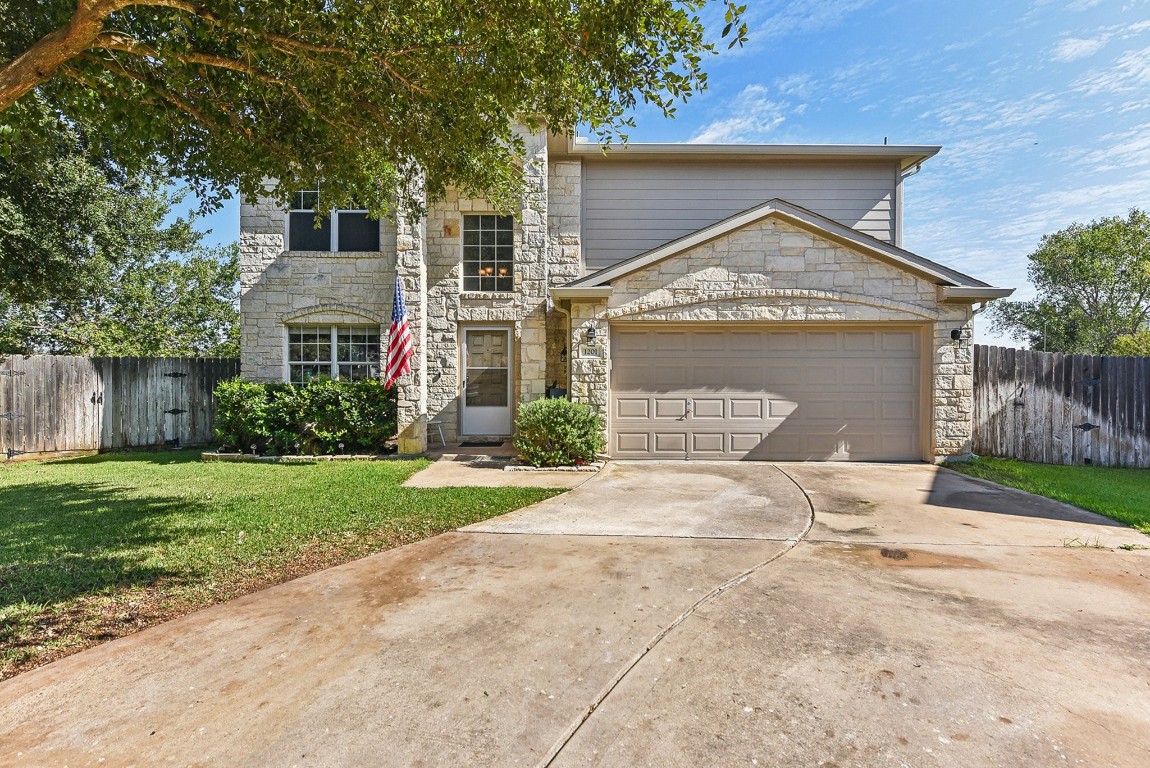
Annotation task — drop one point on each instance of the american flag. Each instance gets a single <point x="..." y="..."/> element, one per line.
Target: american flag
<point x="399" y="341"/>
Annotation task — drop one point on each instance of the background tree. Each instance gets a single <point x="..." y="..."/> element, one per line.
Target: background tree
<point x="90" y="264"/>
<point x="164" y="306"/>
<point x="1093" y="283"/>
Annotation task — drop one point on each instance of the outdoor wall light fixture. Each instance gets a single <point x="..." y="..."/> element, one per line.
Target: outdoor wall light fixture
<point x="563" y="355"/>
<point x="956" y="334"/>
<point x="592" y="334"/>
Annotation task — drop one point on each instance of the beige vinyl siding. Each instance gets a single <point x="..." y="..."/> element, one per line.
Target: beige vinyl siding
<point x="632" y="207"/>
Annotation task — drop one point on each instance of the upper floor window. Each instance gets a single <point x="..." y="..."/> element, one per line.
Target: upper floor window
<point x="339" y="230"/>
<point x="337" y="351"/>
<point x="488" y="253"/>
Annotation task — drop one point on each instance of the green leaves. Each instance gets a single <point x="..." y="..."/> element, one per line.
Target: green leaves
<point x="1093" y="284"/>
<point x="231" y="93"/>
<point x="557" y="432"/>
<point x="314" y="418"/>
<point x="733" y="16"/>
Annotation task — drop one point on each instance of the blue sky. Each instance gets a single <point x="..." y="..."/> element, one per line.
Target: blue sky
<point x="1042" y="108"/>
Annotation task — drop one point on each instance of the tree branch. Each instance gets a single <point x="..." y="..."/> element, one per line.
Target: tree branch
<point x="116" y="41"/>
<point x="40" y="62"/>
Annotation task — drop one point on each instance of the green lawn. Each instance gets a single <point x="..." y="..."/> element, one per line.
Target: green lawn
<point x="99" y="547"/>
<point x="1121" y="494"/>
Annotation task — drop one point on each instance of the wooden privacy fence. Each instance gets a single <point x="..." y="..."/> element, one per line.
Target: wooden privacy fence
<point x="54" y="403"/>
<point x="1062" y="409"/>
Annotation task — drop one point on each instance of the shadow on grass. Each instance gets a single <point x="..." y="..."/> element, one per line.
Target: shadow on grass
<point x="958" y="491"/>
<point x="183" y="456"/>
<point x="59" y="541"/>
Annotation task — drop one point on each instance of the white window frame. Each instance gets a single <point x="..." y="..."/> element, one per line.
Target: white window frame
<point x="463" y="252"/>
<point x="333" y="341"/>
<point x="333" y="217"/>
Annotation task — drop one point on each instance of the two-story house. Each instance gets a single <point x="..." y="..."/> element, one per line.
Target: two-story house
<point x="712" y="301"/>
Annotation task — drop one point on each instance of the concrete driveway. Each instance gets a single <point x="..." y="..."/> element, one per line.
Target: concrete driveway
<point x="660" y="614"/>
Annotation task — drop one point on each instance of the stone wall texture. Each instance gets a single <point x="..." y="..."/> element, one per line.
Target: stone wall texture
<point x="771" y="271"/>
<point x="279" y="287"/>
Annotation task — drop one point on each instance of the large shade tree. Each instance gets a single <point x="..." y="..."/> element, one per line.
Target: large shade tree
<point x="357" y="93"/>
<point x="1093" y="290"/>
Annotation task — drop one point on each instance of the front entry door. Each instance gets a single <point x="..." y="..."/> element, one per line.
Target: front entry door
<point x="486" y="382"/>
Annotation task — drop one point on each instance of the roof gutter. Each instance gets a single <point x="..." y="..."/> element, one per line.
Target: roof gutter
<point x="909" y="156"/>
<point x="581" y="292"/>
<point x="962" y="294"/>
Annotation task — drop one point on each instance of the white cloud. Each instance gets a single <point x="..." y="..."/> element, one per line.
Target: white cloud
<point x="805" y="16"/>
<point x="1124" y="151"/>
<point x="1131" y="72"/>
<point x="1075" y="48"/>
<point x="752" y="115"/>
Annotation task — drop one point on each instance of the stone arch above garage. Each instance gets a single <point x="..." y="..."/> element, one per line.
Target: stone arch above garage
<point x="772" y="263"/>
<point x="773" y="306"/>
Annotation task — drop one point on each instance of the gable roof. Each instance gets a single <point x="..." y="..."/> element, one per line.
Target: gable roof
<point x="810" y="221"/>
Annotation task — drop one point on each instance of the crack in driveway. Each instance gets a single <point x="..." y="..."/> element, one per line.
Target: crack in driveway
<point x="792" y="542"/>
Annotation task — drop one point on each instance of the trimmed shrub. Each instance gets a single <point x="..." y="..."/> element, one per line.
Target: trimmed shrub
<point x="313" y="418"/>
<point x="241" y="414"/>
<point x="557" y="432"/>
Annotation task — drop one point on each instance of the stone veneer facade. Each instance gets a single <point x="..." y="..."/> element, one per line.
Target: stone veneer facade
<point x="775" y="272"/>
<point x="771" y="271"/>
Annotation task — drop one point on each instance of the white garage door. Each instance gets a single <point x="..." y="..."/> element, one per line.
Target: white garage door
<point x="831" y="393"/>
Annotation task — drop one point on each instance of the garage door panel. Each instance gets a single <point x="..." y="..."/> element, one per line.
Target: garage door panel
<point x="708" y="442"/>
<point x="813" y="408"/>
<point x="746" y="341"/>
<point x="671" y="341"/>
<point x="899" y="341"/>
<point x="634" y="377"/>
<point x="746" y="377"/>
<point x="709" y="341"/>
<point x="819" y="374"/>
<point x="860" y="409"/>
<point x="860" y="341"/>
<point x="709" y="408"/>
<point x="813" y="394"/>
<point x="783" y="341"/>
<point x="861" y="375"/>
<point x="780" y="409"/>
<point x="901" y="375"/>
<point x="632" y="442"/>
<point x="780" y="375"/>
<point x="622" y="343"/>
<point x="746" y="408"/>
<point x="819" y="341"/>
<point x="671" y="376"/>
<point x="670" y="408"/>
<point x="898" y="410"/>
<point x="632" y="408"/>
<point x="741" y="442"/>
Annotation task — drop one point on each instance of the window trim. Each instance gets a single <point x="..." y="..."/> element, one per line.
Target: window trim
<point x="332" y="216"/>
<point x="333" y="341"/>
<point x="463" y="254"/>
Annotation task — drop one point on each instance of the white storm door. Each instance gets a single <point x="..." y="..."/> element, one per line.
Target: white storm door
<point x="486" y="400"/>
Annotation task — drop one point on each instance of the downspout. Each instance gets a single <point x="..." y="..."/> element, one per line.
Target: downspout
<point x="566" y="345"/>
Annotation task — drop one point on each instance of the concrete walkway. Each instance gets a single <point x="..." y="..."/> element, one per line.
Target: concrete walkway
<point x="483" y="467"/>
<point x="927" y="619"/>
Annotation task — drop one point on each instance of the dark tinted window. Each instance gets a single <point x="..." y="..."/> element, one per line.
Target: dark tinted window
<point x="303" y="235"/>
<point x="357" y="232"/>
